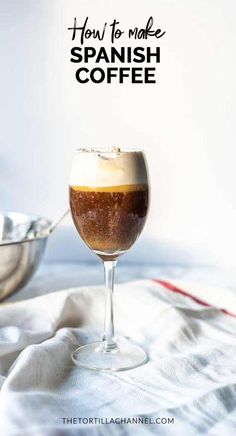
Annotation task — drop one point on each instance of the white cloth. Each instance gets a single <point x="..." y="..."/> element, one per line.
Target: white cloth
<point x="190" y="376"/>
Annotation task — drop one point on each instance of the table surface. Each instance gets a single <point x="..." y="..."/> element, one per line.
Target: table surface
<point x="55" y="276"/>
<point x="44" y="382"/>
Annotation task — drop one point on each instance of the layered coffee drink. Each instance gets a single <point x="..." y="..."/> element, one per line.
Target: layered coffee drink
<point x="109" y="204"/>
<point x="109" y="199"/>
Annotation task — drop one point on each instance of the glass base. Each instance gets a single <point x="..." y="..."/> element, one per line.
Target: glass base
<point x="93" y="356"/>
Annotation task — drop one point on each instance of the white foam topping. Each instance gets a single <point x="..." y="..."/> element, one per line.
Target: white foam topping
<point x="114" y="167"/>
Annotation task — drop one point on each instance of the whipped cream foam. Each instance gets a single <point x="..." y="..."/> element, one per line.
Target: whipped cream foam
<point x="103" y="168"/>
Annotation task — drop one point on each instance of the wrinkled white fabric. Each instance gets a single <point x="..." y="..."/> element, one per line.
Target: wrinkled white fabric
<point x="190" y="376"/>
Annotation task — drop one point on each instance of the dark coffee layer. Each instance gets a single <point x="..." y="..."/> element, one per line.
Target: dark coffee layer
<point x="109" y="219"/>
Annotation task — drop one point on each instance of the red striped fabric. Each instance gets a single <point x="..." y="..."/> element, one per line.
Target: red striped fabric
<point x="173" y="288"/>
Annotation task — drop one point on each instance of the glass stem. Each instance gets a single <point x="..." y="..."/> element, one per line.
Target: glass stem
<point x="109" y="342"/>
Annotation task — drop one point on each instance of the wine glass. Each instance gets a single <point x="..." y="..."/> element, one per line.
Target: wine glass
<point x="109" y="196"/>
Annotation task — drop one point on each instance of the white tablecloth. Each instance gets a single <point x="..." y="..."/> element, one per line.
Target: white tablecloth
<point x="189" y="379"/>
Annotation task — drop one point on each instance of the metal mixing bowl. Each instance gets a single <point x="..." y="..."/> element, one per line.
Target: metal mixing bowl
<point x="20" y="249"/>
